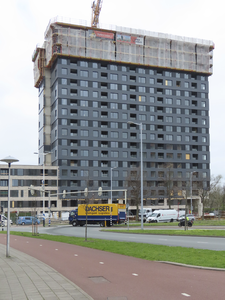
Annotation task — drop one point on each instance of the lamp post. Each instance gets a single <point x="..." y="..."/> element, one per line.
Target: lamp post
<point x="111" y="182"/>
<point x="191" y="174"/>
<point x="43" y="184"/>
<point x="140" y="126"/>
<point x="9" y="160"/>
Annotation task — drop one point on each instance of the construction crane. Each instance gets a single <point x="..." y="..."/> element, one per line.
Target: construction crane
<point x="96" y="9"/>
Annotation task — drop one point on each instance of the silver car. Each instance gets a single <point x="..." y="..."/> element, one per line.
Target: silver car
<point x="190" y="216"/>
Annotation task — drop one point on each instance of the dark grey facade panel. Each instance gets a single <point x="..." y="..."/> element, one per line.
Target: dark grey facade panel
<point x="92" y="101"/>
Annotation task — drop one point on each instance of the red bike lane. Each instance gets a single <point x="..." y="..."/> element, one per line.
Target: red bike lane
<point x="109" y="276"/>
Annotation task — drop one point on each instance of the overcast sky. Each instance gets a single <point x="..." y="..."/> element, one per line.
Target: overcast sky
<point x="23" y="23"/>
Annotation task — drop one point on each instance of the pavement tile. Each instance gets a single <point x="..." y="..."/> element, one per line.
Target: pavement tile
<point x="24" y="277"/>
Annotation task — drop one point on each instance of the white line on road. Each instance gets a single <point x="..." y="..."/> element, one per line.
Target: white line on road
<point x="186" y="295"/>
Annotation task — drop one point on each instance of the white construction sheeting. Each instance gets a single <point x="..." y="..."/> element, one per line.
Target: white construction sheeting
<point x="124" y="45"/>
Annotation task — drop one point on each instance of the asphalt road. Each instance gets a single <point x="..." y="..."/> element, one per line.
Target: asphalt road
<point x="210" y="243"/>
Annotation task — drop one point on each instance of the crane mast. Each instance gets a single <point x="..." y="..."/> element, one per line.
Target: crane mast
<point x="96" y="9"/>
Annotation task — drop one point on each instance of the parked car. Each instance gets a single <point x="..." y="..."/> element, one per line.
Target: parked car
<point x="190" y="216"/>
<point x="26" y="220"/>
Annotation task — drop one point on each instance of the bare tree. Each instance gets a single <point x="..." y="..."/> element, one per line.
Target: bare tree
<point x="133" y="183"/>
<point x="204" y="189"/>
<point x="169" y="182"/>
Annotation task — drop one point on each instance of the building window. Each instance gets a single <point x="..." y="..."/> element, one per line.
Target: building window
<point x="113" y="86"/>
<point x="124" y="97"/>
<point x="84" y="113"/>
<point x="169" y="137"/>
<point x="95" y="114"/>
<point x="84" y="93"/>
<point x="152" y="136"/>
<point x="169" y="128"/>
<point x="168" y="82"/>
<point x="114" y="115"/>
<point x="142" y="117"/>
<point x="114" y="125"/>
<point x="203" y="104"/>
<point x="114" y="105"/>
<point x="152" y="118"/>
<point x="168" y="92"/>
<point x="84" y="103"/>
<point x="142" y="89"/>
<point x="141" y="79"/>
<point x="113" y="67"/>
<point x="114" y="134"/>
<point x="169" y="119"/>
<point x="84" y="73"/>
<point x="169" y="101"/>
<point x="84" y="132"/>
<point x="64" y="111"/>
<point x="64" y="91"/>
<point x="64" y="131"/>
<point x="84" y="152"/>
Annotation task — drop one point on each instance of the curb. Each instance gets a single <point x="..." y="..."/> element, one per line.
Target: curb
<point x="190" y="266"/>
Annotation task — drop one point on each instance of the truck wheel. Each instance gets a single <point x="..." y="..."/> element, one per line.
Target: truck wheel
<point x="171" y="221"/>
<point x="74" y="223"/>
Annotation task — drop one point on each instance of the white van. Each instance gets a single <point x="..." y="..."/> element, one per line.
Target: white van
<point x="163" y="215"/>
<point x="180" y="213"/>
<point x="146" y="211"/>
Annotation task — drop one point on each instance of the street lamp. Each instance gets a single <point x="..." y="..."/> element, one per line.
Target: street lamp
<point x="191" y="173"/>
<point x="43" y="183"/>
<point x="140" y="126"/>
<point x="9" y="160"/>
<point x="111" y="181"/>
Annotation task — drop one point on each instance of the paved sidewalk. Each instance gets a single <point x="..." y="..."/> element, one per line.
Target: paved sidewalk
<point x="24" y="277"/>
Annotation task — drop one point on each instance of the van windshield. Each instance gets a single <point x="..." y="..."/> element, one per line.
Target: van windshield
<point x="154" y="215"/>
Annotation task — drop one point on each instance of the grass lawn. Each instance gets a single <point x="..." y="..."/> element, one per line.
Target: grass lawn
<point x="190" y="232"/>
<point x="212" y="222"/>
<point x="190" y="256"/>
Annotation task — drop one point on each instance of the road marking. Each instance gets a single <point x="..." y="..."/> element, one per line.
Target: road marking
<point x="134" y="274"/>
<point x="163" y="239"/>
<point x="56" y="249"/>
<point x="27" y="242"/>
<point x="186" y="295"/>
<point x="101" y="263"/>
<point x="75" y="255"/>
<point x="40" y="245"/>
<point x="202" y="242"/>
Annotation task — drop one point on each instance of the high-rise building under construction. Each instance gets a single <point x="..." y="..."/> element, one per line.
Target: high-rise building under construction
<point x="97" y="86"/>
